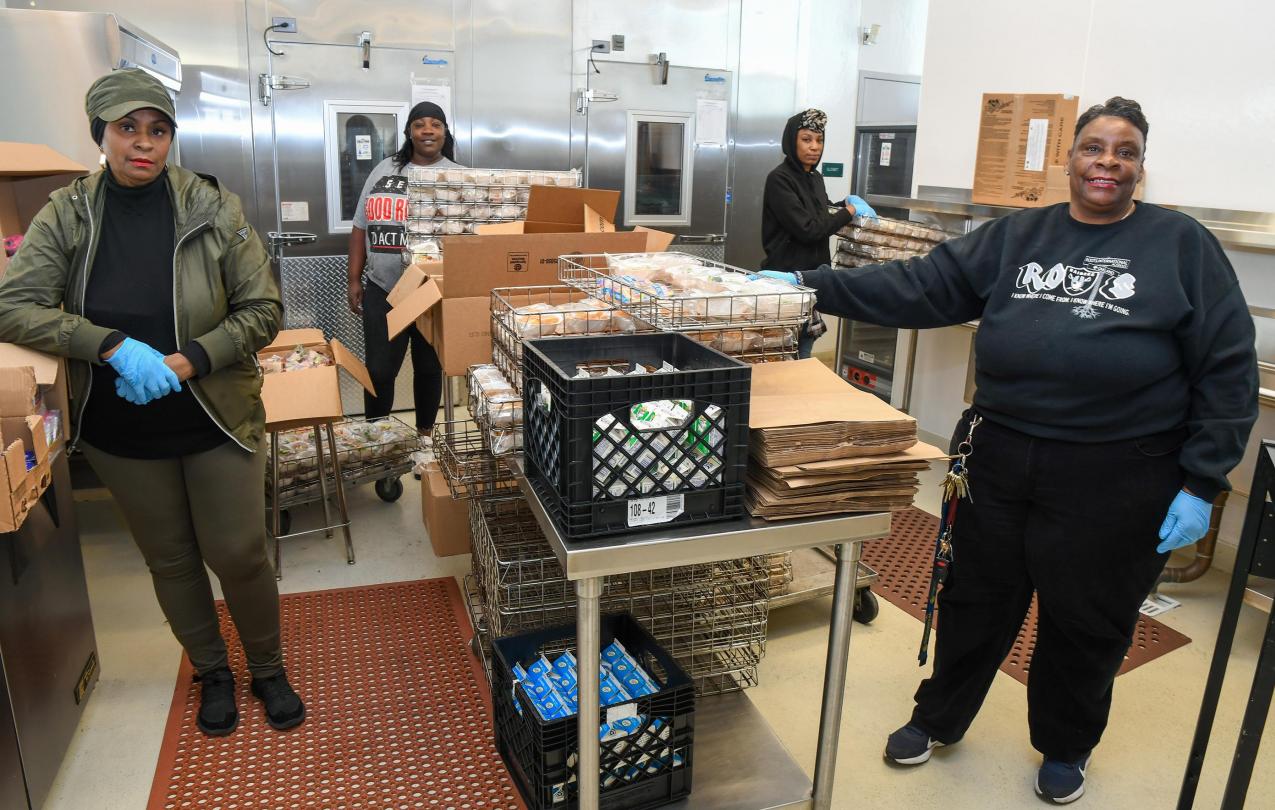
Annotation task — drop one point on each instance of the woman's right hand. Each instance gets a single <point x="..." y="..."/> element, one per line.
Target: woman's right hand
<point x="354" y="294"/>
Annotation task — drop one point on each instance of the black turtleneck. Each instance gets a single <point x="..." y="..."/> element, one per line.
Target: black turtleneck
<point x="130" y="289"/>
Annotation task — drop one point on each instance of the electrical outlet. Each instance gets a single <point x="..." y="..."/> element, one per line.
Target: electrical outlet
<point x="284" y="25"/>
<point x="617" y="42"/>
<point x="601" y="46"/>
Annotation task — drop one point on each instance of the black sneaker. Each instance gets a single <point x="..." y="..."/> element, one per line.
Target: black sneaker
<point x="1061" y="782"/>
<point x="218" y="714"/>
<point x="284" y="708"/>
<point x="910" y="746"/>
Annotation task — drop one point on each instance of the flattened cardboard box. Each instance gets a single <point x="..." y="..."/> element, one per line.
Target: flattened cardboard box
<point x="446" y="519"/>
<point x="1019" y="136"/>
<point x="312" y="395"/>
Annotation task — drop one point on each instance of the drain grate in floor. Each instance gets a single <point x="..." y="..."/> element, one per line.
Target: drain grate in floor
<point x="397" y="713"/>
<point x="904" y="562"/>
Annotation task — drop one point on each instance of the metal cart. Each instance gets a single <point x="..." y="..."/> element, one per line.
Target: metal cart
<point x="294" y="474"/>
<point x="759" y="773"/>
<point x="813" y="574"/>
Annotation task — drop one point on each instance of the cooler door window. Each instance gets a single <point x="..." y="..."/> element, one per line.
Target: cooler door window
<point x="657" y="177"/>
<point x="357" y="137"/>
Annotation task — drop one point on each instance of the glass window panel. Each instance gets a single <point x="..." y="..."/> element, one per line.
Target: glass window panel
<point x="365" y="139"/>
<point x="659" y="169"/>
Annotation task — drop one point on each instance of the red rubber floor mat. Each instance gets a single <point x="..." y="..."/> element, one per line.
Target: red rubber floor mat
<point x="398" y="713"/>
<point x="904" y="563"/>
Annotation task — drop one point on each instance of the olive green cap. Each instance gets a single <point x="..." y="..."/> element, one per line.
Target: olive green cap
<point x="120" y="92"/>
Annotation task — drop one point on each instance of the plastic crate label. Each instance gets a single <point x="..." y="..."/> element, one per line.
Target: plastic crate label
<point x="650" y="511"/>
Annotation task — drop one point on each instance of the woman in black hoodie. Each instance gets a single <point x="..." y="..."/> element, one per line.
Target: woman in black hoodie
<point x="797" y="217"/>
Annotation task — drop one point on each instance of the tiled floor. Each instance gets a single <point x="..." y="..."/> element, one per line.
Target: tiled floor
<point x="1139" y="764"/>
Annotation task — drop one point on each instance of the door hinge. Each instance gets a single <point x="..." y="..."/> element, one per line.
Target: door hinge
<point x="267" y="83"/>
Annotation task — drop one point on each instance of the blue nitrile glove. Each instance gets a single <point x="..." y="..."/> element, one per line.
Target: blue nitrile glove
<point x="128" y="392"/>
<point x="1187" y="521"/>
<point x="143" y="368"/>
<point x="787" y="278"/>
<point x="861" y="207"/>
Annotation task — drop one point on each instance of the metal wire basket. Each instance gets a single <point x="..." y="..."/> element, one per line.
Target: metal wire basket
<point x="658" y="299"/>
<point x="521" y="313"/>
<point x="468" y="466"/>
<point x="368" y="450"/>
<point x="711" y="617"/>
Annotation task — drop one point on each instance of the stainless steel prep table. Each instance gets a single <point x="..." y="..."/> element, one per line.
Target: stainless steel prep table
<point x="587" y="562"/>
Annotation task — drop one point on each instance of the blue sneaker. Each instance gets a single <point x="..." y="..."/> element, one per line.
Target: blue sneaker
<point x="910" y="746"/>
<point x="1061" y="782"/>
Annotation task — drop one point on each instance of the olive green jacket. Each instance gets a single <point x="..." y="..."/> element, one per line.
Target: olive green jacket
<point x="224" y="294"/>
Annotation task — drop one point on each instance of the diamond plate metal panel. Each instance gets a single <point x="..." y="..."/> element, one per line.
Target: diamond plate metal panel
<point x="714" y="253"/>
<point x="314" y="297"/>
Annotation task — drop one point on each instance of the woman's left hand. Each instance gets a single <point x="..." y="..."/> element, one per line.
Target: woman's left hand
<point x="1187" y="522"/>
<point x="180" y="366"/>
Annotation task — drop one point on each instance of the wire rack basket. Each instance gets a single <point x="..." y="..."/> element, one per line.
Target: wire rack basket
<point x="711" y="617"/>
<point x="657" y="296"/>
<point x="468" y="466"/>
<point x="369" y="450"/>
<point x="555" y="310"/>
<point x="780" y="568"/>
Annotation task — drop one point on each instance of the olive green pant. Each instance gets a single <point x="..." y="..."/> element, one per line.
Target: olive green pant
<point x="203" y="508"/>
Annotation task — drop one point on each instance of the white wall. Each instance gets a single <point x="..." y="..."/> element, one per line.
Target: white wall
<point x="900" y="44"/>
<point x="1201" y="72"/>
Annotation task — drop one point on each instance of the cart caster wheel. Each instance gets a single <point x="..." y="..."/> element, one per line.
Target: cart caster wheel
<point x="389" y="489"/>
<point x="285" y="522"/>
<point x="866" y="606"/>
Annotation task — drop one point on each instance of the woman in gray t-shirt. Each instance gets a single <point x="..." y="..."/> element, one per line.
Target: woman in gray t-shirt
<point x="376" y="246"/>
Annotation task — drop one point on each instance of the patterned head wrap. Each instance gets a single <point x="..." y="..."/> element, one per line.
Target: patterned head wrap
<point x="814" y="120"/>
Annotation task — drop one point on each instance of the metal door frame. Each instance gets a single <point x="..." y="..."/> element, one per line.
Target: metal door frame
<point x="331" y="149"/>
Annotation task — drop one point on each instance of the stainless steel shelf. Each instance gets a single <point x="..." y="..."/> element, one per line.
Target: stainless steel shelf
<point x="696" y="543"/>
<point x="814" y="572"/>
<point x="1246" y="230"/>
<point x="739" y="762"/>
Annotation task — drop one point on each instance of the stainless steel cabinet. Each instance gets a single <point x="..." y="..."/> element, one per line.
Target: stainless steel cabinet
<point x="47" y="647"/>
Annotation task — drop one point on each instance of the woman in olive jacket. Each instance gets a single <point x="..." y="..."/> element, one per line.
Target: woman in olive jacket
<point x="149" y="280"/>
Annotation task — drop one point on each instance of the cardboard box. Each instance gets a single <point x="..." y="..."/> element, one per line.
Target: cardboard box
<point x="20" y="488"/>
<point x="31" y="380"/>
<point x="446" y="519"/>
<point x="456" y="317"/>
<point x="1019" y="137"/>
<point x="29" y="173"/>
<point x="313" y="395"/>
<point x="1058" y="186"/>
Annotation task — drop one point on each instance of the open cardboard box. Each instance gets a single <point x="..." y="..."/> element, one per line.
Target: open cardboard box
<point x="32" y="382"/>
<point x="29" y="173"/>
<point x="21" y="487"/>
<point x="560" y="221"/>
<point x="310" y="396"/>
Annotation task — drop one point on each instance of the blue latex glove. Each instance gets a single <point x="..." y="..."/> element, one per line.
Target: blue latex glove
<point x="128" y="392"/>
<point x="787" y="278"/>
<point x="1187" y="521"/>
<point x="142" y="368"/>
<point x="861" y="207"/>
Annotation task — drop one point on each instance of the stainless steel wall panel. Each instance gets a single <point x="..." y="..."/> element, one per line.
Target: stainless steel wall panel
<point x="214" y="122"/>
<point x="517" y="58"/>
<point x="766" y="97"/>
<point x="392" y="23"/>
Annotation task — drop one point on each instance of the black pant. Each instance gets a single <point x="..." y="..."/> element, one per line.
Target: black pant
<point x="1076" y="523"/>
<point x="385" y="358"/>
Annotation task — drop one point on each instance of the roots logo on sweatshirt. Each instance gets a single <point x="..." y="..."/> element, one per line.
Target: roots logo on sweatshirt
<point x="386" y="211"/>
<point x="1089" y="289"/>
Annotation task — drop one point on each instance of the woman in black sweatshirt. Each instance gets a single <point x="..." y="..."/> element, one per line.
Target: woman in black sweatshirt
<point x="797" y="217"/>
<point x="1116" y="381"/>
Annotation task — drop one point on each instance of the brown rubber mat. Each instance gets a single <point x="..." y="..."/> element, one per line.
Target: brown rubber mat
<point x="904" y="564"/>
<point x="398" y="713"/>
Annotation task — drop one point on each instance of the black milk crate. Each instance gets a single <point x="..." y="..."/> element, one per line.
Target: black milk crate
<point x="636" y="772"/>
<point x="601" y="469"/>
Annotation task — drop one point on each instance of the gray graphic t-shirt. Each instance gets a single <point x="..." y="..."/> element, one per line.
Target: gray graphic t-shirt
<point x="382" y="213"/>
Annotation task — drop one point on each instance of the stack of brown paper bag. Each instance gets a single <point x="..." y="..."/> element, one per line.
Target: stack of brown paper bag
<point x="820" y="446"/>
